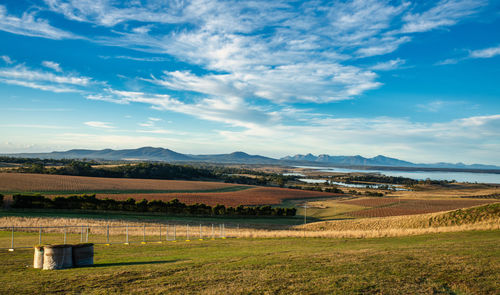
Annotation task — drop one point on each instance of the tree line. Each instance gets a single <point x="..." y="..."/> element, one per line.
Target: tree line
<point x="175" y="207"/>
<point x="390" y="180"/>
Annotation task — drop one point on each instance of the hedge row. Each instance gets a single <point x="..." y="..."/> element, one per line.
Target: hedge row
<point x="90" y="202"/>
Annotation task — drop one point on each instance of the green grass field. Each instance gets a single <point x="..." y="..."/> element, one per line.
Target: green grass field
<point x="449" y="263"/>
<point x="252" y="221"/>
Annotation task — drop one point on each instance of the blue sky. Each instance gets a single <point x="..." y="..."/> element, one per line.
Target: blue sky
<point x="413" y="80"/>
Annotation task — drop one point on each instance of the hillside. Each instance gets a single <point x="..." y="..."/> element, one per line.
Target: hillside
<point x="167" y="155"/>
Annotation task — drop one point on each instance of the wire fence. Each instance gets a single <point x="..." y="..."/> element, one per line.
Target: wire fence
<point x="27" y="237"/>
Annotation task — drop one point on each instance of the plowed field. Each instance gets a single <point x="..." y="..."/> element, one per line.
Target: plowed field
<point x="190" y="192"/>
<point x="24" y="182"/>
<point x="383" y="207"/>
<point x="252" y="196"/>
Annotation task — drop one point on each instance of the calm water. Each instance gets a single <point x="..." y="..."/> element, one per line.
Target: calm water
<point x="435" y="175"/>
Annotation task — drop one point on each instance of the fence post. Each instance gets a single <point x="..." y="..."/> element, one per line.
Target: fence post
<point x="213" y="232"/>
<point x="107" y="234"/>
<point x="40" y="236"/>
<point x="65" y="235"/>
<point x="160" y="233"/>
<point x="81" y="234"/>
<point x="166" y="234"/>
<point x="220" y="229"/>
<point x="223" y="231"/>
<point x="12" y="240"/>
<point x="143" y="234"/>
<point x="87" y="234"/>
<point x="187" y="232"/>
<point x="175" y="234"/>
<point x="126" y="230"/>
<point x="201" y="235"/>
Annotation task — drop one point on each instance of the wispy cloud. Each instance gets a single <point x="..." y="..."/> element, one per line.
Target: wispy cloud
<point x="135" y="58"/>
<point x="7" y="59"/>
<point x="29" y="25"/>
<point x="22" y="75"/>
<point x="485" y="53"/>
<point x="35" y="85"/>
<point x="439" y="105"/>
<point x="37" y="126"/>
<point x="22" y="72"/>
<point x="271" y="50"/>
<point x="99" y="124"/>
<point x="473" y="54"/>
<point x="388" y="65"/>
<point x="52" y="65"/>
<point x="444" y="14"/>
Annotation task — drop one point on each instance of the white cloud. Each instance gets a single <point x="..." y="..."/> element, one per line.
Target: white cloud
<point x="22" y="72"/>
<point x="52" y="65"/>
<point x="477" y="137"/>
<point x="230" y="110"/>
<point x="448" y="61"/>
<point x="444" y="14"/>
<point x="473" y="54"/>
<point x="485" y="53"/>
<point x="135" y="58"/>
<point x="23" y="76"/>
<point x="392" y="64"/>
<point x="44" y="87"/>
<point x="383" y="46"/>
<point x="29" y="25"/>
<point x="439" y="105"/>
<point x="99" y="124"/>
<point x="7" y="59"/>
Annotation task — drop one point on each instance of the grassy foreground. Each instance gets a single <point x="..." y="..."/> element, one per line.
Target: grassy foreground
<point x="446" y="263"/>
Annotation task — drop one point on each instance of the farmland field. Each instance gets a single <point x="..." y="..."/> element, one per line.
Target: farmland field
<point x="251" y="196"/>
<point x="361" y="207"/>
<point x="25" y="182"/>
<point x="397" y="207"/>
<point x="447" y="263"/>
<point x="190" y="192"/>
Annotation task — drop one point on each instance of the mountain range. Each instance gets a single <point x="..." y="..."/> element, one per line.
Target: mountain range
<point x="167" y="155"/>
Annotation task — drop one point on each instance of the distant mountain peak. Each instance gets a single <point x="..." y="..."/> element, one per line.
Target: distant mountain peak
<point x="239" y="154"/>
<point x="149" y="153"/>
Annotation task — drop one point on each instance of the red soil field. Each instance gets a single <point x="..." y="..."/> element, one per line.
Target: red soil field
<point x="370" y="202"/>
<point x="415" y="206"/>
<point x="253" y="196"/>
<point x="25" y="182"/>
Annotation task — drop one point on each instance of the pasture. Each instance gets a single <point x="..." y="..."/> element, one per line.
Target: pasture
<point x="446" y="263"/>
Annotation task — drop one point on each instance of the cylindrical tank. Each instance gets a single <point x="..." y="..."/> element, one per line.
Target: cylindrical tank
<point x="83" y="254"/>
<point x="57" y="257"/>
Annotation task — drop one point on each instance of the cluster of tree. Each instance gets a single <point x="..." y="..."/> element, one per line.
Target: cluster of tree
<point x="1" y="200"/>
<point x="374" y="194"/>
<point x="30" y="161"/>
<point x="389" y="179"/>
<point x="90" y="202"/>
<point x="141" y="170"/>
<point x="367" y="193"/>
<point x="378" y="179"/>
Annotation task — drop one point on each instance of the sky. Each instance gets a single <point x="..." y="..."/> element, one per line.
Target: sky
<point x="414" y="80"/>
